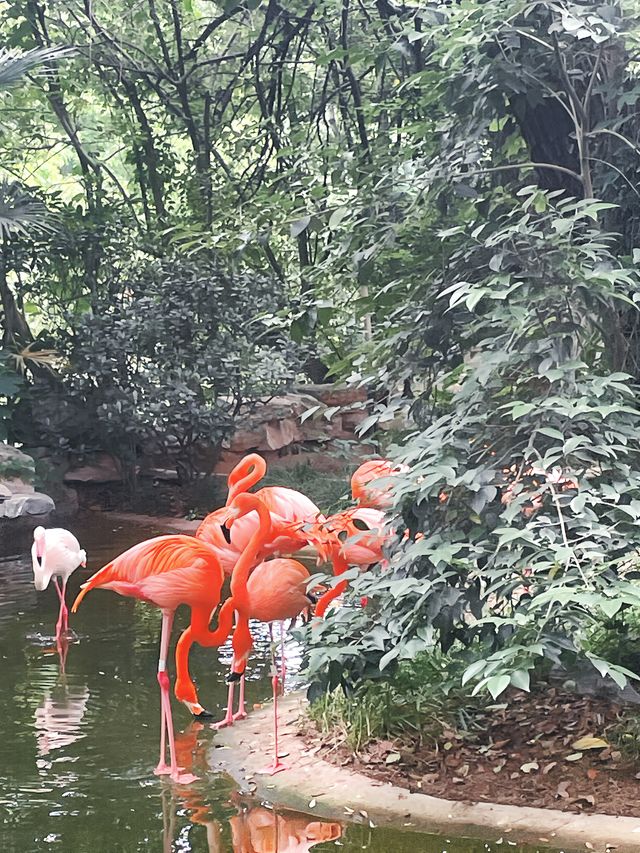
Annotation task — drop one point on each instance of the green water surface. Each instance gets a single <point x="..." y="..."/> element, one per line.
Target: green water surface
<point x="78" y="747"/>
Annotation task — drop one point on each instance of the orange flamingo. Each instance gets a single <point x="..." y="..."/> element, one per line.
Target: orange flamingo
<point x="367" y="495"/>
<point x="289" y="511"/>
<point x="354" y="537"/>
<point x="167" y="571"/>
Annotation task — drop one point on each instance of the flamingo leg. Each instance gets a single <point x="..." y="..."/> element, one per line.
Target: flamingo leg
<point x="276" y="765"/>
<point x="166" y="719"/>
<point x="241" y="713"/>
<point x="227" y="720"/>
<point x="60" y="624"/>
<point x="65" y="611"/>
<point x="283" y="660"/>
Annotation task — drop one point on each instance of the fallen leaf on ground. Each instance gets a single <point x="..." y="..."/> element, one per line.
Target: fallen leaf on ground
<point x="575" y="756"/>
<point x="590" y="743"/>
<point x="562" y="790"/>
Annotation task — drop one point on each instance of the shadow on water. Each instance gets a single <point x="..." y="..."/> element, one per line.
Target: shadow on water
<point x="79" y="728"/>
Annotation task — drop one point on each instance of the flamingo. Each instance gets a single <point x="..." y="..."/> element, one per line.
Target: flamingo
<point x="365" y="494"/>
<point x="289" y="511"/>
<point x="272" y="591"/>
<point x="354" y="537"/>
<point x="56" y="553"/>
<point x="167" y="571"/>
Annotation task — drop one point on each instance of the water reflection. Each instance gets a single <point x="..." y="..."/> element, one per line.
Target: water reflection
<point x="253" y="829"/>
<point x="59" y="717"/>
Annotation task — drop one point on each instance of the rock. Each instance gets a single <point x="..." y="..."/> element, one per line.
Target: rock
<point x="15" y="465"/>
<point x="32" y="503"/>
<point x="104" y="469"/>
<point x="282" y="433"/>
<point x="336" y="395"/>
<point x="18" y="486"/>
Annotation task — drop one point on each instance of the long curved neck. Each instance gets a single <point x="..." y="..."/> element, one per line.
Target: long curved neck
<point x="247" y="559"/>
<point x="245" y="475"/>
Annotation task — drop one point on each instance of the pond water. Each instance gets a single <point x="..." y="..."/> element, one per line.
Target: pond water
<point x="79" y="737"/>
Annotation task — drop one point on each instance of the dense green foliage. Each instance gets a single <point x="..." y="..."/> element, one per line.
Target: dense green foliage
<point x="513" y="343"/>
<point x="439" y="201"/>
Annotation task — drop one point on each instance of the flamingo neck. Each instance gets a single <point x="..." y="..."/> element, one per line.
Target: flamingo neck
<point x="247" y="560"/>
<point x="245" y="475"/>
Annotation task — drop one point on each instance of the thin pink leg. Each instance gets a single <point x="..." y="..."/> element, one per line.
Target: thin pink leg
<point x="276" y="765"/>
<point x="60" y="623"/>
<point x="227" y="720"/>
<point x="65" y="612"/>
<point x="166" y="719"/>
<point x="283" y="660"/>
<point x="241" y="713"/>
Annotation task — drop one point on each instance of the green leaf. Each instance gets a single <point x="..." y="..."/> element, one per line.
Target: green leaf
<point x="300" y="225"/>
<point x="520" y="679"/>
<point x="497" y="684"/>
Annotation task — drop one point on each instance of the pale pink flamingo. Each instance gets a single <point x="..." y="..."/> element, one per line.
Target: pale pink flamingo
<point x="56" y="553"/>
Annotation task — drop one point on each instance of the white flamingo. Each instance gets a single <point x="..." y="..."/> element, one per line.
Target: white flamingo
<point x="56" y="553"/>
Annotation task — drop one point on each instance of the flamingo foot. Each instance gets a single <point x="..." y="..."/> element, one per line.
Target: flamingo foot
<point x="163" y="769"/>
<point x="273" y="768"/>
<point x="240" y="715"/>
<point x="183" y="778"/>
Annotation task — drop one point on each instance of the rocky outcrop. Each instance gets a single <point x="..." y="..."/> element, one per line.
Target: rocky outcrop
<point x="21" y="507"/>
<point x="300" y="423"/>
<point x="103" y="468"/>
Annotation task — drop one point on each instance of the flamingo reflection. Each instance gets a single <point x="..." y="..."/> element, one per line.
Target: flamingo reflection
<point x="59" y="717"/>
<point x="261" y="830"/>
<point x="254" y="829"/>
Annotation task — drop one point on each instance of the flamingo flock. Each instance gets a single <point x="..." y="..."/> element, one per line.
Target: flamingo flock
<point x="252" y="541"/>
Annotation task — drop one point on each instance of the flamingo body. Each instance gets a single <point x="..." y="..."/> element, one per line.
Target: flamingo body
<point x="166" y="571"/>
<point x="362" y="488"/>
<point x="55" y="553"/>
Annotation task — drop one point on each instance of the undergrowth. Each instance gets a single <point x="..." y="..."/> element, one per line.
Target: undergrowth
<point x="423" y="702"/>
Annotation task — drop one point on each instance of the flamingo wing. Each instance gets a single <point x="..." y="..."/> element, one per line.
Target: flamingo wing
<point x="163" y="569"/>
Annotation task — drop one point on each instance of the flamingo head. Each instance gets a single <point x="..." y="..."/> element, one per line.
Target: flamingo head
<point x="83" y="558"/>
<point x="41" y="577"/>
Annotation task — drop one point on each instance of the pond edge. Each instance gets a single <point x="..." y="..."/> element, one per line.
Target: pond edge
<point x="316" y="787"/>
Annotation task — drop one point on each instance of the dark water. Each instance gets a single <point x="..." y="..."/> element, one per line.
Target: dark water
<point x="78" y="747"/>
